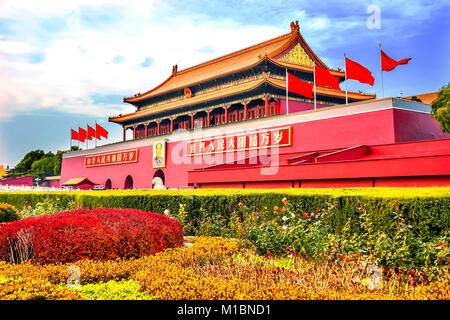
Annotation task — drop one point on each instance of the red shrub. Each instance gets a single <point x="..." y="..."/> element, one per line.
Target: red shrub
<point x="98" y="234"/>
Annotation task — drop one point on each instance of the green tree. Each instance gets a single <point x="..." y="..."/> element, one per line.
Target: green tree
<point x="58" y="159"/>
<point x="39" y="164"/>
<point x="414" y="98"/>
<point x="440" y="108"/>
<point x="24" y="166"/>
<point x="44" y="166"/>
<point x="58" y="162"/>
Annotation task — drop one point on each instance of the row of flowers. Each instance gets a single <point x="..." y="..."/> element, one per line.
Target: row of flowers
<point x="314" y="235"/>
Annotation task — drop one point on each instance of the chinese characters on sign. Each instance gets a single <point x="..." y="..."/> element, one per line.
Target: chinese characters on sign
<point x="272" y="138"/>
<point x="117" y="157"/>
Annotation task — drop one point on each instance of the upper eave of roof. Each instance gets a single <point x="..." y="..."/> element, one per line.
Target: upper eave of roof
<point x="231" y="63"/>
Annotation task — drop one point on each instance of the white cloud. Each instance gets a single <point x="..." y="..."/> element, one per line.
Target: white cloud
<point x="78" y="63"/>
<point x="77" y="59"/>
<point x="15" y="47"/>
<point x="20" y="8"/>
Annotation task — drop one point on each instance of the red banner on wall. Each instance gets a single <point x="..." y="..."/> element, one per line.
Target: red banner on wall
<point x="271" y="138"/>
<point x="116" y="157"/>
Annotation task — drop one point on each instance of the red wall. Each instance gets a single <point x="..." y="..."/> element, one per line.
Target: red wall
<point x="51" y="183"/>
<point x="297" y="106"/>
<point x="421" y="163"/>
<point x="366" y="128"/>
<point x="84" y="186"/>
<point x="412" y="126"/>
<point x="22" y="181"/>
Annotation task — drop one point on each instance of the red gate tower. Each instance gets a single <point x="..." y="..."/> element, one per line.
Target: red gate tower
<point x="231" y="122"/>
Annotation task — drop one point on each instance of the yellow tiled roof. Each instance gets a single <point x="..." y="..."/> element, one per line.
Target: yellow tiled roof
<point x="76" y="181"/>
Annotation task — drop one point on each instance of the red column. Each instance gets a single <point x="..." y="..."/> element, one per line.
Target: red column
<point x="157" y="128"/>
<point x="226" y="114"/>
<point x="208" y="120"/>
<point x="219" y="118"/>
<point x="134" y="132"/>
<point x="171" y="124"/>
<point x="266" y="105"/>
<point x="192" y="121"/>
<point x="278" y="106"/>
<point x="245" y="110"/>
<point x="124" y="133"/>
<point x="146" y="130"/>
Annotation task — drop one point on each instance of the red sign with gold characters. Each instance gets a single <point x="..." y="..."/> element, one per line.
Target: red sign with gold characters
<point x="116" y="157"/>
<point x="271" y="138"/>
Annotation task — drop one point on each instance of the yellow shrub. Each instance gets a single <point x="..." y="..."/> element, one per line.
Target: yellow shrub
<point x="210" y="269"/>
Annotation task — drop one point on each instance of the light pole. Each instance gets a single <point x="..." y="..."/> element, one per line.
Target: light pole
<point x="37" y="179"/>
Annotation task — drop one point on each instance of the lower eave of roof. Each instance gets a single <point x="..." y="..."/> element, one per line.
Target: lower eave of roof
<point x="233" y="91"/>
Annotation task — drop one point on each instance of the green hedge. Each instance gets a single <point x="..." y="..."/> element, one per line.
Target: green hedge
<point x="426" y="209"/>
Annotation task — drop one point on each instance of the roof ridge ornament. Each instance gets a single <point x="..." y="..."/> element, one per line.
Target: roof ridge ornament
<point x="295" y="28"/>
<point x="174" y="70"/>
<point x="261" y="57"/>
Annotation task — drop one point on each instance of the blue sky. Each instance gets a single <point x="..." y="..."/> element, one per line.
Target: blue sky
<point x="67" y="63"/>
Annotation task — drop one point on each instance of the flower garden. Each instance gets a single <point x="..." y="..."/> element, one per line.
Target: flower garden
<point x="209" y="245"/>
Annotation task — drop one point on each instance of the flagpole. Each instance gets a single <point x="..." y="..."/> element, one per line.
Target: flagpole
<point x="70" y="148"/>
<point x="95" y="137"/>
<point x="315" y="101"/>
<point x="346" y="94"/>
<point x="381" y="67"/>
<point x="287" y="98"/>
<point x="78" y="137"/>
<point x="87" y="145"/>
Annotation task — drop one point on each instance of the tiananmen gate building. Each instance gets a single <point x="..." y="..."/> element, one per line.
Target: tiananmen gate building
<point x="229" y="122"/>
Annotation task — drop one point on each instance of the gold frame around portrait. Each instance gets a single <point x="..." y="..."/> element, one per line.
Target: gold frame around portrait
<point x="164" y="145"/>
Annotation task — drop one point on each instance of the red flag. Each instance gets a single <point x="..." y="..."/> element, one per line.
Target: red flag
<point x="300" y="87"/>
<point x="82" y="134"/>
<point x="326" y="79"/>
<point x="74" y="135"/>
<point x="90" y="132"/>
<point x="101" y="132"/>
<point x="358" y="72"/>
<point x="389" y="64"/>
